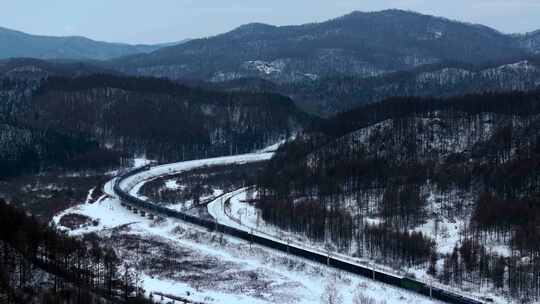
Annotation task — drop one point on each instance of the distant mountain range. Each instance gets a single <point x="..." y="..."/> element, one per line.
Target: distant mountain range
<point x="358" y="44"/>
<point x="336" y="94"/>
<point x="18" y="44"/>
<point x="31" y="68"/>
<point x="330" y="95"/>
<point x="326" y="68"/>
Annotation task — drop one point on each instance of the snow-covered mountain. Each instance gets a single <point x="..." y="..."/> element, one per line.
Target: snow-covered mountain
<point x="460" y="174"/>
<point x="330" y="95"/>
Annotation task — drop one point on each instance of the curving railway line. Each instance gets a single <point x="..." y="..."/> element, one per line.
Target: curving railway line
<point x="395" y="280"/>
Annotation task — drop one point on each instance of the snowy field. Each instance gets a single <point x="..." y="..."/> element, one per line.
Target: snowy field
<point x="219" y="269"/>
<point x="135" y="182"/>
<point x="210" y="267"/>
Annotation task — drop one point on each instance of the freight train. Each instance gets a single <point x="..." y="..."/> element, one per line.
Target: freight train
<point x="391" y="279"/>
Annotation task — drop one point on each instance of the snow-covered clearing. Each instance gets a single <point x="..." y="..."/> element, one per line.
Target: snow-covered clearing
<point x="185" y="206"/>
<point x="258" y="275"/>
<point x="211" y="267"/>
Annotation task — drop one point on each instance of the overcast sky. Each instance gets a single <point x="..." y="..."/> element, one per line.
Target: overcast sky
<point x="153" y="21"/>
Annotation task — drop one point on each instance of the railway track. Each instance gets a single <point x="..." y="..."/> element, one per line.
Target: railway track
<point x="337" y="263"/>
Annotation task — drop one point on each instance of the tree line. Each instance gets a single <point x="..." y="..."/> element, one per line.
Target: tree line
<point x="80" y="270"/>
<point x="99" y="120"/>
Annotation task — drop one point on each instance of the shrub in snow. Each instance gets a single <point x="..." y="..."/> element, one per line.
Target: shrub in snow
<point x="331" y="294"/>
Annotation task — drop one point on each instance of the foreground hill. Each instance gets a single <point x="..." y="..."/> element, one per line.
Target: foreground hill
<point x="444" y="188"/>
<point x="18" y="44"/>
<point x="359" y="44"/>
<point x="41" y="265"/>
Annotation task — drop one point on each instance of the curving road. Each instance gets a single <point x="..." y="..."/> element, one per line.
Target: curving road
<point x="133" y="183"/>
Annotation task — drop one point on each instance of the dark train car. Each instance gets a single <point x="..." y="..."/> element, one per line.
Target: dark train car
<point x="309" y="255"/>
<point x="413" y="285"/>
<point x="363" y="271"/>
<point x="387" y="278"/>
<point x="356" y="269"/>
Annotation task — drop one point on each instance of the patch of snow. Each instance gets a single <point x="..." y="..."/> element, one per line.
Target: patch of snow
<point x="141" y="161"/>
<point x="264" y="67"/>
<point x="172" y="184"/>
<point x="312" y="76"/>
<point x="89" y="195"/>
<point x="275" y="147"/>
<point x="302" y="284"/>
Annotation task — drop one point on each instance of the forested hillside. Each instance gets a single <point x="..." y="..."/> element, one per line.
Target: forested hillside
<point x="89" y="121"/>
<point x="39" y="265"/>
<point x="360" y="44"/>
<point x="161" y="118"/>
<point x="379" y="156"/>
<point x="447" y="187"/>
<point x="333" y="95"/>
<point x="330" y="95"/>
<point x="25" y="148"/>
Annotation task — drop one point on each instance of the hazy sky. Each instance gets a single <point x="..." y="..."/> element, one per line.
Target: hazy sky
<point x="152" y="21"/>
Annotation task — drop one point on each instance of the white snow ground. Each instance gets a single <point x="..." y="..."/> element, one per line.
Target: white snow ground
<point x="303" y="283"/>
<point x="292" y="280"/>
<point x="135" y="182"/>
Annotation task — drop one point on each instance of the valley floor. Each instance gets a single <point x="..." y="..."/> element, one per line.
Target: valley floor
<point x="178" y="259"/>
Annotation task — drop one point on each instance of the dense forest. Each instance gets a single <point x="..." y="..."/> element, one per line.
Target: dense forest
<point x="333" y="94"/>
<point x="39" y="265"/>
<point x="31" y="149"/>
<point x="162" y="119"/>
<point x="381" y="180"/>
<point x="100" y="120"/>
<point x="358" y="44"/>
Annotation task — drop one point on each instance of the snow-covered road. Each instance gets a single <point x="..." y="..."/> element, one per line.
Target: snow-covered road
<point x="133" y="183"/>
<point x="216" y="209"/>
